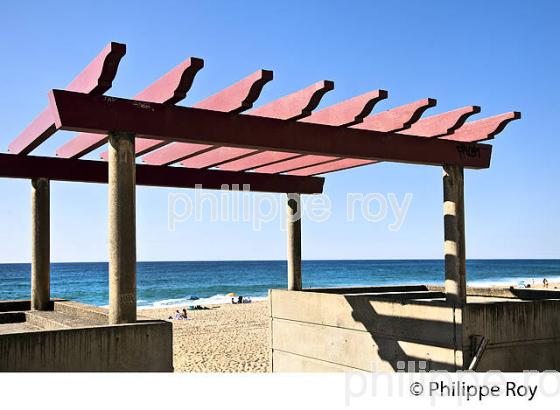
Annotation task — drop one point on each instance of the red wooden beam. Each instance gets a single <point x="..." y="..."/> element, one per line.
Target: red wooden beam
<point x="80" y="170"/>
<point x="294" y="163"/>
<point x="485" y="129"/>
<point x="390" y="121"/>
<point x="215" y="157"/>
<point x="81" y="112"/>
<point x="234" y="99"/>
<point x="434" y="126"/>
<point x="349" y="112"/>
<point x="240" y="96"/>
<point x="174" y="85"/>
<point x="256" y="160"/>
<point x="95" y="79"/>
<point x="332" y="166"/>
<point x="396" y="119"/>
<point x="294" y="106"/>
<point x="345" y="113"/>
<point x="169" y="89"/>
<point x="441" y="124"/>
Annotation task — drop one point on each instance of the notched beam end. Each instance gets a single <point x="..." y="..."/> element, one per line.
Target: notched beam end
<point x="173" y="86"/>
<point x="484" y="129"/>
<point x="296" y="105"/>
<point x="240" y="96"/>
<point x="348" y="112"/>
<point x="262" y="78"/>
<point x="398" y="118"/>
<point x="441" y="124"/>
<point x="97" y="78"/>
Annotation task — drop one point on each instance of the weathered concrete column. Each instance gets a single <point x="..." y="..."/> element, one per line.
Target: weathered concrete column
<point x="294" y="241"/>
<point x="40" y="242"/>
<point x="454" y="226"/>
<point x="122" y="229"/>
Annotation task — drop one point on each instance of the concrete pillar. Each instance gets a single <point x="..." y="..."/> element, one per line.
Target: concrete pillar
<point x="122" y="229"/>
<point x="454" y="226"/>
<point x="40" y="237"/>
<point x="294" y="241"/>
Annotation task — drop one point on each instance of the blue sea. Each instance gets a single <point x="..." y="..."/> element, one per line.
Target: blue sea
<point x="163" y="284"/>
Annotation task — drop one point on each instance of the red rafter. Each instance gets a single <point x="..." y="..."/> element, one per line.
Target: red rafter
<point x="441" y="124"/>
<point x="215" y="157"/>
<point x="95" y="79"/>
<point x="348" y="112"/>
<point x="337" y="165"/>
<point x="485" y="129"/>
<point x="294" y="163"/>
<point x="234" y="99"/>
<point x="256" y="160"/>
<point x="169" y="89"/>
<point x="295" y="106"/>
<point x="396" y="119"/>
<point x="389" y="121"/>
<point x="345" y="113"/>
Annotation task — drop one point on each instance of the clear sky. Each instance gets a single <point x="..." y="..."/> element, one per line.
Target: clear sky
<point x="501" y="55"/>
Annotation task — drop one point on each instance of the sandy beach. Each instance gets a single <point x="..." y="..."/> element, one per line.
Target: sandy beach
<point x="224" y="338"/>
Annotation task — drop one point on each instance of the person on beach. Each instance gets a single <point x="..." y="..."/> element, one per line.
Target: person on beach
<point x="545" y="283"/>
<point x="184" y="315"/>
<point x="178" y="315"/>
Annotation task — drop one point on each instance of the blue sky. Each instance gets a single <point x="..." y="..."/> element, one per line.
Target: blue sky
<point x="501" y="55"/>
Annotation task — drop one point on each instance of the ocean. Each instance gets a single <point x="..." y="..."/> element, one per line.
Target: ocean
<point x="162" y="284"/>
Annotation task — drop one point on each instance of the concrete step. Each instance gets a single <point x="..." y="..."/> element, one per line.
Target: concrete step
<point x="52" y="320"/>
<point x="79" y="310"/>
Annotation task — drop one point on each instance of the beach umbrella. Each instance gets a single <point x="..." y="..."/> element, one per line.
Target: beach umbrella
<point x="231" y="294"/>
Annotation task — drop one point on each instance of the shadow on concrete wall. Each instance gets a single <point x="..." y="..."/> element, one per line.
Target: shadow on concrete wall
<point x="389" y="332"/>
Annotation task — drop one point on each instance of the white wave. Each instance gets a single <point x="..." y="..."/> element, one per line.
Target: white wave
<point x="181" y="302"/>
<point x="512" y="281"/>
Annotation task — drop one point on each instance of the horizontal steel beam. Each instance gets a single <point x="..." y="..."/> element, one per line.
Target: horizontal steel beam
<point x="82" y="112"/>
<point x="79" y="170"/>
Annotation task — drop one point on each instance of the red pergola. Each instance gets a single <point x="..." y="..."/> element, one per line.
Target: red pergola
<point x="284" y="136"/>
<point x="222" y="140"/>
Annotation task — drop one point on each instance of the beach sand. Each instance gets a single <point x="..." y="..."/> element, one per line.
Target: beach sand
<point x="224" y="338"/>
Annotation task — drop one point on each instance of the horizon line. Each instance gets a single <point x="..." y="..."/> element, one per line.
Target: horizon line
<point x="303" y="260"/>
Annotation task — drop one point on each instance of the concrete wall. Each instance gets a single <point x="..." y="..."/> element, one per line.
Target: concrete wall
<point x="522" y="334"/>
<point x="314" y="331"/>
<point x="76" y="337"/>
<point x="130" y="347"/>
